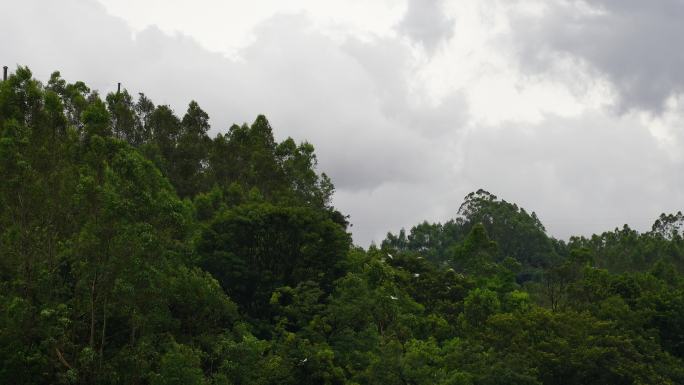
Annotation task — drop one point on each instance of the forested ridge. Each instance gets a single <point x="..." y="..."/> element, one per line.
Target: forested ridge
<point x="137" y="249"/>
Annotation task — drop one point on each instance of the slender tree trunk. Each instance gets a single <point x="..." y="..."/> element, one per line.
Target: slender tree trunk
<point x="132" y="335"/>
<point x="104" y="329"/>
<point x="92" y="312"/>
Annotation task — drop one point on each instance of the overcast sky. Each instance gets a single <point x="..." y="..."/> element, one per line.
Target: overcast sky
<point x="572" y="109"/>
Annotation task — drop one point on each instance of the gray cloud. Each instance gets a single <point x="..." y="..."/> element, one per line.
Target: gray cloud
<point x="350" y="100"/>
<point x="310" y="87"/>
<point x="581" y="175"/>
<point x="395" y="161"/>
<point x="635" y="44"/>
<point x="425" y="22"/>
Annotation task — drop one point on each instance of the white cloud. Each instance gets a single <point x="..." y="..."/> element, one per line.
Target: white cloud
<point x="227" y="26"/>
<point x="407" y="118"/>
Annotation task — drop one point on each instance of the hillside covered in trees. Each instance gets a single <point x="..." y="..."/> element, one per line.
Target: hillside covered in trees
<point x="137" y="249"/>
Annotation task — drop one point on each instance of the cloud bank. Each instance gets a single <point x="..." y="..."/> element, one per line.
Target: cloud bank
<point x="573" y="111"/>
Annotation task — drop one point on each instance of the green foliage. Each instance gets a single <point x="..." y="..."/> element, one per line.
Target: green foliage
<point x="137" y="249"/>
<point x="254" y="248"/>
<point x="179" y="366"/>
<point x="626" y="249"/>
<point x="516" y="233"/>
<point x="478" y="306"/>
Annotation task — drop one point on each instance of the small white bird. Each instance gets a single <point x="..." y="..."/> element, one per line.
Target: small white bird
<point x="390" y="256"/>
<point x="416" y="275"/>
<point x="304" y="360"/>
<point x="393" y="297"/>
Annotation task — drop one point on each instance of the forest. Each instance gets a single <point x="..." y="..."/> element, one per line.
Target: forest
<point x="135" y="248"/>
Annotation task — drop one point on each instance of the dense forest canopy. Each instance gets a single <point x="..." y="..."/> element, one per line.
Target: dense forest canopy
<point x="137" y="249"/>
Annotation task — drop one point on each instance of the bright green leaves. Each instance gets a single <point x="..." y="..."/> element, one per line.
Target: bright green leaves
<point x="180" y="365"/>
<point x="478" y="306"/>
<point x="21" y="99"/>
<point x="96" y="119"/>
<point x="299" y="166"/>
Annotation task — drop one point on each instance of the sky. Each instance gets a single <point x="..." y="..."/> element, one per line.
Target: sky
<point x="571" y="109"/>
